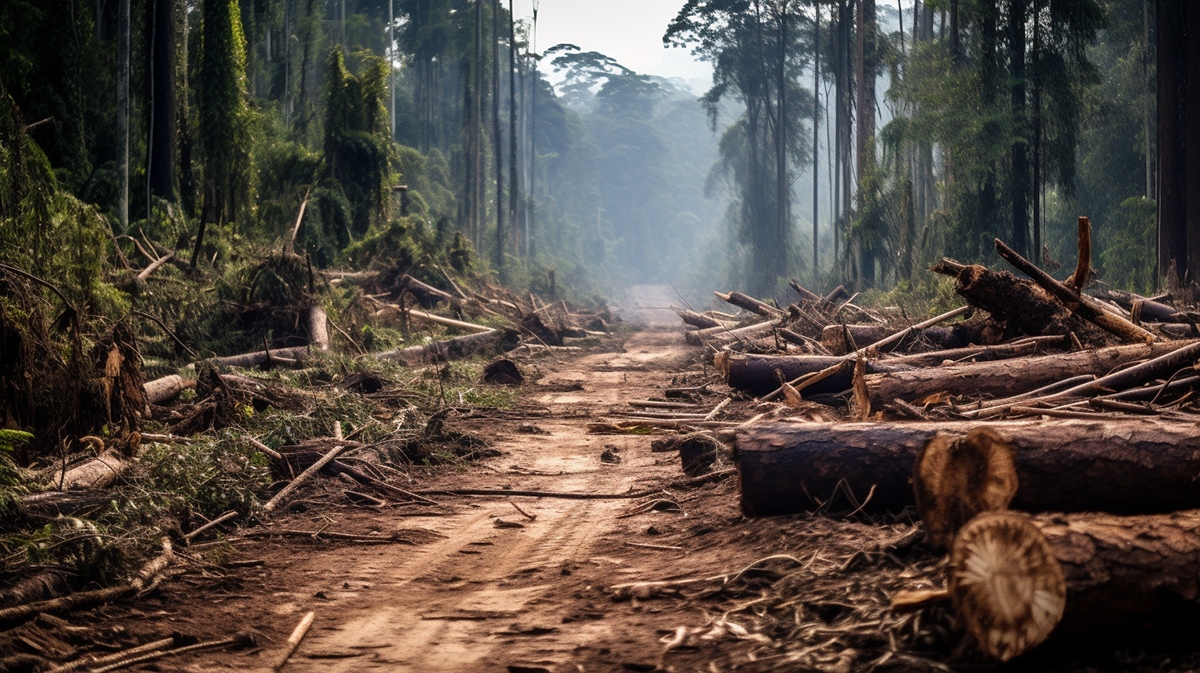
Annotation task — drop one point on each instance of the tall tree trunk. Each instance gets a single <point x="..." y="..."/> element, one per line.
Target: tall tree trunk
<point x="477" y="199"/>
<point x="514" y="200"/>
<point x="1020" y="158"/>
<point x="123" y="45"/>
<point x="865" y="109"/>
<point x="1146" y="97"/>
<point x="160" y="178"/>
<point x="1173" y="210"/>
<point x="782" y="183"/>
<point x="498" y="142"/>
<point x="816" y="140"/>
<point x="531" y="222"/>
<point x="1037" y="129"/>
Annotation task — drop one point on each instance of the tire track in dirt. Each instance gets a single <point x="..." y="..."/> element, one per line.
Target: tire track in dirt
<point x="486" y="597"/>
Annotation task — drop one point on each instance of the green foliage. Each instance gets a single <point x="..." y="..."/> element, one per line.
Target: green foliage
<point x="1128" y="259"/>
<point x="356" y="139"/>
<point x="212" y="475"/>
<point x="224" y="124"/>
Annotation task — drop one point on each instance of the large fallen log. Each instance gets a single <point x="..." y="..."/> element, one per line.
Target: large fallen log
<point x="698" y="320"/>
<point x="1080" y="304"/>
<point x="999" y="379"/>
<point x="1126" y="466"/>
<point x="755" y="374"/>
<point x="167" y="388"/>
<point x="450" y="349"/>
<point x="750" y="304"/>
<point x="98" y="472"/>
<point x="761" y="374"/>
<point x="722" y="334"/>
<point x="843" y="339"/>
<point x="1018" y="306"/>
<point x="1128" y="379"/>
<point x="1123" y="467"/>
<point x="1015" y="580"/>
<point x="426" y="295"/>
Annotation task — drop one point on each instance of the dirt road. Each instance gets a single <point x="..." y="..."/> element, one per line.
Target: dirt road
<point x="487" y="587"/>
<point x="485" y="597"/>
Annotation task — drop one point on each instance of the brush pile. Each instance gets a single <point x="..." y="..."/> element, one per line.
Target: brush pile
<point x="1046" y="441"/>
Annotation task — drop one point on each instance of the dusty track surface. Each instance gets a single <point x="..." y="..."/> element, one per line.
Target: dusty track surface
<point x="473" y="593"/>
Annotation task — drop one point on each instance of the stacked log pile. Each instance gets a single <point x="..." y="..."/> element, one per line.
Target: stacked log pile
<point x="1048" y="440"/>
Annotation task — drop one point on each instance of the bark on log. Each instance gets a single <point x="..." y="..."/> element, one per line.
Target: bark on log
<point x="1080" y="304"/>
<point x="1124" y="466"/>
<point x="750" y="304"/>
<point x="722" y="334"/>
<point x="697" y="320"/>
<point x="805" y="294"/>
<point x="167" y="388"/>
<point x="1001" y="379"/>
<point x="1020" y="307"/>
<point x="756" y="374"/>
<point x="318" y="328"/>
<point x="287" y="356"/>
<point x="426" y="295"/>
<point x="443" y="351"/>
<point x="843" y="339"/>
<point x="1015" y="580"/>
<point x="98" y="472"/>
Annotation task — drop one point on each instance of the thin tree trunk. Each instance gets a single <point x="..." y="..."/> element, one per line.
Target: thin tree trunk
<point x="514" y="192"/>
<point x="1020" y="159"/>
<point x="1037" y="130"/>
<point x="498" y="143"/>
<point x="123" y="46"/>
<point x="161" y="181"/>
<point x="531" y="222"/>
<point x="1172" y="82"/>
<point x="816" y="140"/>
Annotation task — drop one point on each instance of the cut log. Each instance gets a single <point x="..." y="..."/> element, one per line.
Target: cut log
<point x="805" y="294"/>
<point x="167" y="388"/>
<point x="1013" y="577"/>
<point x="750" y="304"/>
<point x="722" y="334"/>
<point x="318" y="328"/>
<point x="1183" y="355"/>
<point x="697" y="320"/>
<point x="756" y="374"/>
<point x="444" y="351"/>
<point x="958" y="477"/>
<point x="1123" y="466"/>
<point x="448" y="322"/>
<point x="1001" y="379"/>
<point x="98" y="472"/>
<point x="843" y="339"/>
<point x="1080" y="304"/>
<point x="426" y="295"/>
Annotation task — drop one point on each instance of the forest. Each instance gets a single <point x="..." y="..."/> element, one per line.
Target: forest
<point x="366" y="314"/>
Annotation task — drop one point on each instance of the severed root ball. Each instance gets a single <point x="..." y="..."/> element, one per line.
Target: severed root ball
<point x="1006" y="585"/>
<point x="957" y="478"/>
<point x="503" y="371"/>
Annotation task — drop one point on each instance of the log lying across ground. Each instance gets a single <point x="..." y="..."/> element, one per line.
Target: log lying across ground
<point x="756" y="374"/>
<point x="166" y="388"/>
<point x="1125" y="466"/>
<point x="1001" y="379"/>
<point x="1014" y="578"/>
<point x="450" y="349"/>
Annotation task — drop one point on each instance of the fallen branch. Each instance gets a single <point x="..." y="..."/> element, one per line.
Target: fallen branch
<point x="89" y="662"/>
<point x="238" y="640"/>
<point x="1078" y="303"/>
<point x="293" y="640"/>
<point x="304" y="476"/>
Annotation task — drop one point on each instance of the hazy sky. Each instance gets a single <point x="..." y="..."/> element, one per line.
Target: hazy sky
<point x="628" y="30"/>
